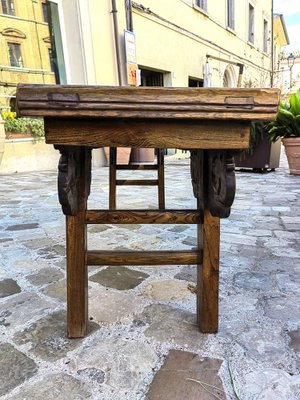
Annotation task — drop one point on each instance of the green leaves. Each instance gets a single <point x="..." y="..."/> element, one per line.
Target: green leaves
<point x="29" y="126"/>
<point x="287" y="122"/>
<point x="295" y="103"/>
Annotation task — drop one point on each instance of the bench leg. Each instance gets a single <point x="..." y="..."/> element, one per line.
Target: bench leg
<point x="209" y="245"/>
<point x="208" y="274"/>
<point x="76" y="234"/>
<point x="77" y="290"/>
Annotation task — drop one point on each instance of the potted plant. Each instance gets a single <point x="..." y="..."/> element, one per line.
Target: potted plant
<point x="2" y="138"/>
<point x="17" y="128"/>
<point x="262" y="154"/>
<point x="287" y="127"/>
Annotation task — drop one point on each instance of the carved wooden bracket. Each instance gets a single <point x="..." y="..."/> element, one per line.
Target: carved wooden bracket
<point x="213" y="180"/>
<point x="220" y="183"/>
<point x="197" y="173"/>
<point x="74" y="168"/>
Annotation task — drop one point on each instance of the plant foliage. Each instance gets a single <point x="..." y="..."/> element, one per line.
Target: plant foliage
<point x="29" y="126"/>
<point x="287" y="122"/>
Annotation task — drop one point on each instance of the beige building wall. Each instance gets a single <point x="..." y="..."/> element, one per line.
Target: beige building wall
<point x="176" y="36"/>
<point x="88" y="40"/>
<point x="28" y="29"/>
<point x="173" y="37"/>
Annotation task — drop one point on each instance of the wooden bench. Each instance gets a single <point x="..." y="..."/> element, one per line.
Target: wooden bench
<point x="212" y="123"/>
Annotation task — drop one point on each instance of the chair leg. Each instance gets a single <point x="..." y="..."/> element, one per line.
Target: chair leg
<point x="112" y="177"/>
<point x="161" y="179"/>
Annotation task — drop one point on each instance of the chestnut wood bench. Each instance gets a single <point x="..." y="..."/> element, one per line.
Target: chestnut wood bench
<point x="213" y="123"/>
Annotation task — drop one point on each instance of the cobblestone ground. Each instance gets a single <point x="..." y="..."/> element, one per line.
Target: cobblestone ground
<point x="143" y="342"/>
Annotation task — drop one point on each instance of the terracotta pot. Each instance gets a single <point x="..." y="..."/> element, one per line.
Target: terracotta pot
<point x="292" y="150"/>
<point x="142" y="155"/>
<point x="123" y="155"/>
<point x="18" y="135"/>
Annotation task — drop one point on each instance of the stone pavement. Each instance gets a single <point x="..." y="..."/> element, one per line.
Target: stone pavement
<point x="143" y="341"/>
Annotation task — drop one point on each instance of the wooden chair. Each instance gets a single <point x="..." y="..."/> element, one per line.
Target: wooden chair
<point x="114" y="182"/>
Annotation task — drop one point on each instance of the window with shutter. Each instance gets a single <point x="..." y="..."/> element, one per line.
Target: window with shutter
<point x="251" y="24"/>
<point x="202" y="4"/>
<point x="8" y="7"/>
<point x="266" y="34"/>
<point x="230" y="14"/>
<point x="15" y="56"/>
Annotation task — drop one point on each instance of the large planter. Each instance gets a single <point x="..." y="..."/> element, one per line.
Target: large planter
<point x="2" y="139"/>
<point x="24" y="155"/>
<point x="292" y="150"/>
<point x="265" y="156"/>
<point x="123" y="155"/>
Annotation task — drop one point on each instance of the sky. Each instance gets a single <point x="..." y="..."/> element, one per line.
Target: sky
<point x="291" y="12"/>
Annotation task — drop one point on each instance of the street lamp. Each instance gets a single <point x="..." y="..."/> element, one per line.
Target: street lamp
<point x="291" y="62"/>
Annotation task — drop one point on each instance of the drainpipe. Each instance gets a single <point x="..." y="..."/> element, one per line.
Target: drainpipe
<point x="241" y="70"/>
<point x="272" y="45"/>
<point x="116" y="33"/>
<point x="129" y="22"/>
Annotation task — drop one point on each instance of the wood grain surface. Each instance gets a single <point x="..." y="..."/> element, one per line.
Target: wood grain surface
<point x="184" y="257"/>
<point x="130" y="102"/>
<point x="148" y="133"/>
<point x="143" y="217"/>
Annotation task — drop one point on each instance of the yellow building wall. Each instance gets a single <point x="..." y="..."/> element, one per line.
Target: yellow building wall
<point x="33" y="37"/>
<point x="172" y="36"/>
<point x="176" y="35"/>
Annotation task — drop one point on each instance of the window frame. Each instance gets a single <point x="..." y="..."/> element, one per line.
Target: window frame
<point x="9" y="7"/>
<point x="20" y="61"/>
<point x="251" y="19"/>
<point x="265" y="35"/>
<point x="44" y="12"/>
<point x="202" y="4"/>
<point x="230" y="23"/>
<point x="51" y="59"/>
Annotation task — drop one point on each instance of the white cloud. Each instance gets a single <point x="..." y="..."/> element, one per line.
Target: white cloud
<point x="286" y="7"/>
<point x="293" y="32"/>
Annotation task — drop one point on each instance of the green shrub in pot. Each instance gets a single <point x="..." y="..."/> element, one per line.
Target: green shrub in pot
<point x="287" y="127"/>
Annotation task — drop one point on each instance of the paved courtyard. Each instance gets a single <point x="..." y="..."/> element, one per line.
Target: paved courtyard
<point x="143" y="342"/>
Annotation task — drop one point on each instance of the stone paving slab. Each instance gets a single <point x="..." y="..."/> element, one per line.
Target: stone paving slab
<point x="185" y="375"/>
<point x="140" y="317"/>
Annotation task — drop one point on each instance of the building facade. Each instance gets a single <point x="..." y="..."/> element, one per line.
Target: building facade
<point x="26" y="54"/>
<point x="178" y="42"/>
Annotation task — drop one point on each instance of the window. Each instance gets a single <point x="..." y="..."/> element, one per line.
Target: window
<point x="151" y="78"/>
<point x="202" y="4"/>
<point x="230" y="14"/>
<point x="45" y="12"/>
<point x="51" y="60"/>
<point x="266" y="34"/>
<point x="251" y="24"/>
<point x="15" y="57"/>
<point x="195" y="82"/>
<point x="8" y="7"/>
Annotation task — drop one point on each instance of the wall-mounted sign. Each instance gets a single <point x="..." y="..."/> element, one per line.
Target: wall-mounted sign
<point x="130" y="53"/>
<point x="131" y="74"/>
<point x="130" y="47"/>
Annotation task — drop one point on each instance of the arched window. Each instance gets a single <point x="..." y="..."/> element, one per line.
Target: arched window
<point x="229" y="77"/>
